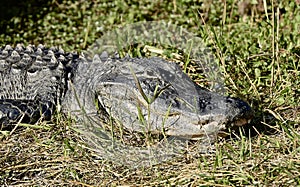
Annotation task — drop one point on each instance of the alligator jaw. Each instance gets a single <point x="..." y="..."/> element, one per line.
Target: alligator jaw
<point x="209" y="127"/>
<point x="222" y="129"/>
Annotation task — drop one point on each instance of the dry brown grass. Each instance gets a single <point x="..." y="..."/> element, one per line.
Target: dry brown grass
<point x="53" y="157"/>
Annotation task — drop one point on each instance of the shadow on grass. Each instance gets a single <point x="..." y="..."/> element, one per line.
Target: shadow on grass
<point x="25" y="10"/>
<point x="262" y="123"/>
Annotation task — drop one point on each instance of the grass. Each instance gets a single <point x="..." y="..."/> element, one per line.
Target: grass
<point x="257" y="46"/>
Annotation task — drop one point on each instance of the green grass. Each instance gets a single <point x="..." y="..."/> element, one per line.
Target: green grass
<point x="259" y="55"/>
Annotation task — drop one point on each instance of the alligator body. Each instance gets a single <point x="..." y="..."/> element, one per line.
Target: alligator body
<point x="142" y="94"/>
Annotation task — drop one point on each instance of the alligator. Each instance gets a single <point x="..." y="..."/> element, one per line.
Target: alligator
<point x="141" y="94"/>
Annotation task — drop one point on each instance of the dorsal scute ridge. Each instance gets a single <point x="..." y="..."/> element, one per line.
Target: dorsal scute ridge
<point x="39" y="51"/>
<point x="104" y="55"/>
<point x="14" y="57"/>
<point x="19" y="47"/>
<point x="24" y="57"/>
<point x="26" y="60"/>
<point x="8" y="48"/>
<point x="28" y="50"/>
<point x="96" y="59"/>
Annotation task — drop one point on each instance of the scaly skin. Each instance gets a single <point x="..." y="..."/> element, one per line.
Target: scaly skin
<point x="33" y="80"/>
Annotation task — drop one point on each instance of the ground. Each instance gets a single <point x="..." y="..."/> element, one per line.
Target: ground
<point x="257" y="46"/>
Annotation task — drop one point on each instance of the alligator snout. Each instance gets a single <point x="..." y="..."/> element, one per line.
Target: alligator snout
<point x="238" y="111"/>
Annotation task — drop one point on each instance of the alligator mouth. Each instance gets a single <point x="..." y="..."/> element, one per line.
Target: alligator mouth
<point x="220" y="127"/>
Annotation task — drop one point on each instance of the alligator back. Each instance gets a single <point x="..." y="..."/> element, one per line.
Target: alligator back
<point x="32" y="81"/>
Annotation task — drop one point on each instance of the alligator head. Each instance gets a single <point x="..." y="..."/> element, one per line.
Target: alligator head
<point x="151" y="94"/>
